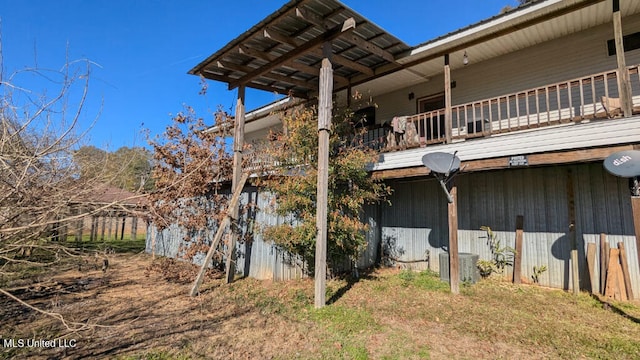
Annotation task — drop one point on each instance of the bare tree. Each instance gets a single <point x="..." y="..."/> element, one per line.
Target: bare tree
<point x="191" y="164"/>
<point x="40" y="130"/>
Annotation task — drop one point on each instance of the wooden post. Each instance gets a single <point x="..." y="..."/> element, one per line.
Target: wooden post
<point x="575" y="274"/>
<point x="124" y="220"/>
<point x="454" y="267"/>
<point x="104" y="222"/>
<point x="591" y="265"/>
<point x="604" y="255"/>
<point x="79" y="225"/>
<point x="517" y="261"/>
<point x="110" y="224"/>
<point x="624" y="81"/>
<point x="448" y="122"/>
<point x="238" y="146"/>
<point x="115" y="227"/>
<point x="635" y="211"/>
<point x="134" y="228"/>
<point x="324" y="131"/>
<point x="93" y="229"/>
<point x="216" y="239"/>
<point x="625" y="270"/>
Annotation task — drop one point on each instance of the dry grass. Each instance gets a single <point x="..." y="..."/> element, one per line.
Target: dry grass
<point x="385" y="315"/>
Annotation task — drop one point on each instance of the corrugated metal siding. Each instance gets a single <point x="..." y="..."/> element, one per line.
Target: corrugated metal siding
<point x="603" y="205"/>
<point x="415" y="224"/>
<point x="417" y="220"/>
<point x="255" y="257"/>
<point x="413" y="231"/>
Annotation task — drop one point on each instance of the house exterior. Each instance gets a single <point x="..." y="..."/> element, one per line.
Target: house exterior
<point x="531" y="101"/>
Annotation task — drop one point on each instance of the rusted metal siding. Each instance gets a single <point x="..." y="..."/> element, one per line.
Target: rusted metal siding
<point x="417" y="220"/>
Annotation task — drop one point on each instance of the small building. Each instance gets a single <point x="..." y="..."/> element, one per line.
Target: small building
<point x="532" y="100"/>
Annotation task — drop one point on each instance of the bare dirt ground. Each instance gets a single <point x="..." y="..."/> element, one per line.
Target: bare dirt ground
<point x="140" y="309"/>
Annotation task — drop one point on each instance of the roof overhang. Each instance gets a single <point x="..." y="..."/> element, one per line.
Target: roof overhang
<point x="282" y="53"/>
<point x="515" y="30"/>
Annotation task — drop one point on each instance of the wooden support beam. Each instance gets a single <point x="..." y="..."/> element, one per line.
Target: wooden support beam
<point x="370" y="47"/>
<point x="624" y="81"/>
<point x="339" y="60"/>
<point x="238" y="146"/>
<point x="517" y="261"/>
<point x="291" y="80"/>
<point x="575" y="275"/>
<point x="635" y="211"/>
<point x="216" y="239"/>
<point x="448" y="124"/>
<point x="292" y="63"/>
<point x="454" y="263"/>
<point x="551" y="158"/>
<point x="348" y="26"/>
<point x="604" y="255"/>
<point x="313" y="18"/>
<point x="209" y="74"/>
<point x="324" y="127"/>
<point x="277" y="36"/>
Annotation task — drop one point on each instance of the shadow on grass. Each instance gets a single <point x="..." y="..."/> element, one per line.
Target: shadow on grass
<point x="608" y="306"/>
<point x="351" y="280"/>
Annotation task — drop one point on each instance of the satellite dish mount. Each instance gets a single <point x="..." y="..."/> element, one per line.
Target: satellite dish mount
<point x="444" y="167"/>
<point x="626" y="164"/>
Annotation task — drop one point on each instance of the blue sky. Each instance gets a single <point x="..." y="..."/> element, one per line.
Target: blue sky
<point x="143" y="50"/>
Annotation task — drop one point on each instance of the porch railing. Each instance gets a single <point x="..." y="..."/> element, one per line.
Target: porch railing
<point x="594" y="96"/>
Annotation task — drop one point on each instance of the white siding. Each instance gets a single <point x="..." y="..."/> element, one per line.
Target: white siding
<point x="597" y="133"/>
<point x="566" y="58"/>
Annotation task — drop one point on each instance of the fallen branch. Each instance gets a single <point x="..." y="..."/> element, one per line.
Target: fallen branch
<point x="70" y="325"/>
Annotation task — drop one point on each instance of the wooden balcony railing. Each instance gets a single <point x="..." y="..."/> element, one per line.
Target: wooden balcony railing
<point x="594" y="96"/>
<point x="590" y="97"/>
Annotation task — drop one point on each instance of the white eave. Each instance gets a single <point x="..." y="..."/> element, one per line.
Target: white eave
<point x="558" y="138"/>
<point x="510" y="19"/>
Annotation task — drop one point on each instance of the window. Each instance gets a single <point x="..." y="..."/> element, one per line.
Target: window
<point x="432" y="127"/>
<point x="630" y="42"/>
<point x="431" y="103"/>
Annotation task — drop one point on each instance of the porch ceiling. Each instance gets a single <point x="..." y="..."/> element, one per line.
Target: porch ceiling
<point x="531" y="25"/>
<point x="283" y="52"/>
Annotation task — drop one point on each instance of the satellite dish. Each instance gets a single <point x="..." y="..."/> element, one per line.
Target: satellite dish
<point x="623" y="163"/>
<point x="441" y="162"/>
<point x="443" y="166"/>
